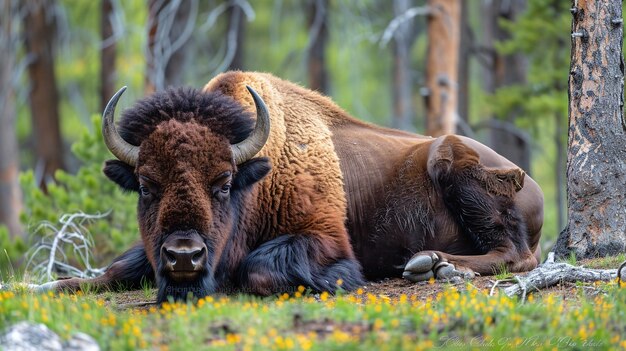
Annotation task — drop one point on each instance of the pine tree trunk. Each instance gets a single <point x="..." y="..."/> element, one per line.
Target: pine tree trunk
<point x="442" y="66"/>
<point x="39" y="30"/>
<point x="317" y="20"/>
<point x="505" y="70"/>
<point x="402" y="84"/>
<point x="10" y="196"/>
<point x="237" y="23"/>
<point x="107" y="54"/>
<point x="465" y="53"/>
<point x="596" y="162"/>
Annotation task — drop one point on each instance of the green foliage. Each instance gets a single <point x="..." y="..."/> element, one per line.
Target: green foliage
<point x="10" y="250"/>
<point x="540" y="34"/>
<point x="88" y="191"/>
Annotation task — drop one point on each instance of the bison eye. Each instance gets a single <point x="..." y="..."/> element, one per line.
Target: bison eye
<point x="144" y="191"/>
<point x="225" y="188"/>
<point x="221" y="192"/>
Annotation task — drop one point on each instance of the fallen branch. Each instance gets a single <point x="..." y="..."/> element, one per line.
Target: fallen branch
<point x="552" y="273"/>
<point x="56" y="243"/>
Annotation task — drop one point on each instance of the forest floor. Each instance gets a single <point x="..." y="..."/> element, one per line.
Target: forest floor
<point x="422" y="291"/>
<point x="392" y="314"/>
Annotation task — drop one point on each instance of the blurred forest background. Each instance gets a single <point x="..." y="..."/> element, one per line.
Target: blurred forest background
<point x="505" y="65"/>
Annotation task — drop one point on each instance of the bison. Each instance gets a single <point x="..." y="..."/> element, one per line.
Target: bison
<point x="261" y="193"/>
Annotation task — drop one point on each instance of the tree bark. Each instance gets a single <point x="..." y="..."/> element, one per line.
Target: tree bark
<point x="317" y="21"/>
<point x="39" y="31"/>
<point x="402" y="85"/>
<point x="108" y="73"/>
<point x="465" y="53"/>
<point x="442" y="66"/>
<point x="596" y="160"/>
<point x="505" y="70"/>
<point x="237" y="23"/>
<point x="10" y="195"/>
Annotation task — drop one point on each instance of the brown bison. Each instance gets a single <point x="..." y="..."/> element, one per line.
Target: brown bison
<point x="301" y="193"/>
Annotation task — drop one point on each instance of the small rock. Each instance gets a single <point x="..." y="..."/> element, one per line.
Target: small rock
<point x="82" y="342"/>
<point x="25" y="336"/>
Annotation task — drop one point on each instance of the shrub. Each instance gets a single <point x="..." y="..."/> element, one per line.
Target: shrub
<point x="87" y="191"/>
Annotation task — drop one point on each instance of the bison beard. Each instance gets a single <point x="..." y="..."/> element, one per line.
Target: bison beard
<point x="198" y="288"/>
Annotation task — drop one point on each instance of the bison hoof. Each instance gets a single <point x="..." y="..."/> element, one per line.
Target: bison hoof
<point x="417" y="277"/>
<point x="421" y="263"/>
<point x="447" y="271"/>
<point x="428" y="265"/>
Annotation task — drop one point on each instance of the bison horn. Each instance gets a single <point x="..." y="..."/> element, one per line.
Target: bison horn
<point x="245" y="150"/>
<point x="114" y="142"/>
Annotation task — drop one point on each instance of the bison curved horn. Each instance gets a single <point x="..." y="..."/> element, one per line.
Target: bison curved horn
<point x="246" y="149"/>
<point x="114" y="142"/>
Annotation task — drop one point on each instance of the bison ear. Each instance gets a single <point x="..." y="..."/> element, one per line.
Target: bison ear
<point x="251" y="172"/>
<point x="122" y="174"/>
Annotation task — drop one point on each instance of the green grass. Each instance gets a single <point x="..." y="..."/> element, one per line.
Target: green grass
<point x="452" y="320"/>
<point x="606" y="262"/>
<point x="502" y="273"/>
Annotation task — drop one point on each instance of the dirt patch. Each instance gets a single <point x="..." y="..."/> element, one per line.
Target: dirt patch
<point x="392" y="288"/>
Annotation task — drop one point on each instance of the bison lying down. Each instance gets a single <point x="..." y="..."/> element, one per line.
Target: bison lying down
<point x="306" y="195"/>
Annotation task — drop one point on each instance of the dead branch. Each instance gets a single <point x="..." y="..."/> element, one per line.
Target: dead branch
<point x="72" y="235"/>
<point x="390" y="31"/>
<point x="551" y="273"/>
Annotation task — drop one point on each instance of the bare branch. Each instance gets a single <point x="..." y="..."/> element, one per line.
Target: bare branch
<point x="393" y="26"/>
<point x="72" y="234"/>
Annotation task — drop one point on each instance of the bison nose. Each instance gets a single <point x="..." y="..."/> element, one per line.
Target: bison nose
<point x="184" y="255"/>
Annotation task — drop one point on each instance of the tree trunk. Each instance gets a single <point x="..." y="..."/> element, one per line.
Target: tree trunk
<point x="170" y="25"/>
<point x="10" y="196"/>
<point x="317" y="21"/>
<point x="237" y="25"/>
<point x="39" y="30"/>
<point x="442" y="66"/>
<point x="505" y="70"/>
<point x="402" y="86"/>
<point x="596" y="160"/>
<point x="466" y="43"/>
<point x="108" y="73"/>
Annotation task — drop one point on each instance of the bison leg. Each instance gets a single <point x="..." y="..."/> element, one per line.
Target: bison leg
<point x="128" y="271"/>
<point x="436" y="264"/>
<point x="289" y="261"/>
<point x="484" y="203"/>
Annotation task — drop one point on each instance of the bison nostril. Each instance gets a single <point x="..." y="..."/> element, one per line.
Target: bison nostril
<point x="170" y="256"/>
<point x="199" y="256"/>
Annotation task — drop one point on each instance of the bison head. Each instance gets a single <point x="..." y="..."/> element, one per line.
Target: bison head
<point x="189" y="156"/>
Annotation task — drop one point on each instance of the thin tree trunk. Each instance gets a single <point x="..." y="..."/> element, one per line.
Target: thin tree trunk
<point x="402" y="86"/>
<point x="237" y="23"/>
<point x="39" y="30"/>
<point x="596" y="162"/>
<point x="108" y="73"/>
<point x="317" y="21"/>
<point x="10" y="196"/>
<point x="505" y="70"/>
<point x="464" y="63"/>
<point x="442" y="66"/>
<point x="559" y="174"/>
<point x="151" y="64"/>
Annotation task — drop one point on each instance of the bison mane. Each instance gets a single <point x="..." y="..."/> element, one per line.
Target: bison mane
<point x="220" y="113"/>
